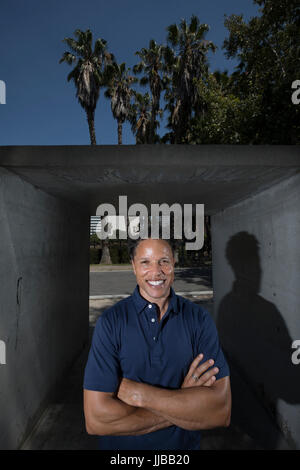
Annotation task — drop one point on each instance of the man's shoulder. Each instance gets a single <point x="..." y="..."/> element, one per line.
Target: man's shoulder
<point x="190" y="307"/>
<point x="198" y="318"/>
<point x="117" y="310"/>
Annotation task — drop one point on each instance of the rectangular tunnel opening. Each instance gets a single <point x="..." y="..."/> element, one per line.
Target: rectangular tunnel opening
<point x="263" y="204"/>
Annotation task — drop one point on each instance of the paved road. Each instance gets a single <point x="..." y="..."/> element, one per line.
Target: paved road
<point x="123" y="282"/>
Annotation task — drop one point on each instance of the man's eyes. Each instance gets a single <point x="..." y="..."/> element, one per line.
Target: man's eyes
<point x="163" y="261"/>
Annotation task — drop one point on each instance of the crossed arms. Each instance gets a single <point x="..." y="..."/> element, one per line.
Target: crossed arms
<point x="139" y="408"/>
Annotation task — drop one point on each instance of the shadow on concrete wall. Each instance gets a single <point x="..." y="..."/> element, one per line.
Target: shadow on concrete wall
<point x="258" y="346"/>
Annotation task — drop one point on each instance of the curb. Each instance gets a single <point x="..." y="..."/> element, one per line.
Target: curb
<point x="123" y="296"/>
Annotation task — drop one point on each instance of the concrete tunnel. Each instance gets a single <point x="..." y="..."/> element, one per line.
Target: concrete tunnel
<point x="252" y="193"/>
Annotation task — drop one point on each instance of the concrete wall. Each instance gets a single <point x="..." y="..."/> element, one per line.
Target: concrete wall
<point x="256" y="278"/>
<point x="43" y="299"/>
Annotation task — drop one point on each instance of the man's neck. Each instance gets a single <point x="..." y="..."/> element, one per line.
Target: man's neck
<point x="163" y="307"/>
<point x="162" y="303"/>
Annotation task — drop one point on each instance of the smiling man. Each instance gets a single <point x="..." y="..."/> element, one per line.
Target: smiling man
<point x="156" y="375"/>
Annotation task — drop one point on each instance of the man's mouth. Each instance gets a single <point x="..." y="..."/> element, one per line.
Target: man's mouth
<point x="156" y="283"/>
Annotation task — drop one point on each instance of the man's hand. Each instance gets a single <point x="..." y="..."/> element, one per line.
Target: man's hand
<point x="198" y="375"/>
<point x="130" y="391"/>
<point x="190" y="407"/>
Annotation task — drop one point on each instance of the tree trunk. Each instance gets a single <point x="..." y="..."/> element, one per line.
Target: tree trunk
<point x="90" y="119"/>
<point x="152" y="125"/>
<point x="119" y="132"/>
<point x="105" y="258"/>
<point x="154" y="111"/>
<point x="207" y="244"/>
<point x="176" y="255"/>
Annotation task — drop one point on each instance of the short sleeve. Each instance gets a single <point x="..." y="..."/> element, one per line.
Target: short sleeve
<point x="209" y="345"/>
<point x="102" y="372"/>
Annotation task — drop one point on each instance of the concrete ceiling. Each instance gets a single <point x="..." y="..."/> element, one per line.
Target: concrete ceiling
<point x="217" y="176"/>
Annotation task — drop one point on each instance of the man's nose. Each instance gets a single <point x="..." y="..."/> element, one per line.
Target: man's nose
<point x="156" y="268"/>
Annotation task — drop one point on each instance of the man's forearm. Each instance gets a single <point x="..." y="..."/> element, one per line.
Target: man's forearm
<point x="189" y="408"/>
<point x="123" y="419"/>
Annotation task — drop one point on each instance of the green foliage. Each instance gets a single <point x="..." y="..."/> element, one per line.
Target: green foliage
<point x="267" y="48"/>
<point x="94" y="240"/>
<point x="117" y="249"/>
<point x="226" y="118"/>
<point x="154" y="69"/>
<point x="118" y="252"/>
<point x="251" y="106"/>
<point x="119" y="89"/>
<point x="187" y="63"/>
<point x="140" y="117"/>
<point x="95" y="255"/>
<point x="88" y="72"/>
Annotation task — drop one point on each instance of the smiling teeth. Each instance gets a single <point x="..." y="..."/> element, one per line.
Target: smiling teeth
<point x="155" y="283"/>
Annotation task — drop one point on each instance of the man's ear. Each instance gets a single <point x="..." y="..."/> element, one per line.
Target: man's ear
<point x="173" y="260"/>
<point x="133" y="267"/>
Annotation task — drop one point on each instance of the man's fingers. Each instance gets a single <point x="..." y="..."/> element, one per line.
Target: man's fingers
<point x="210" y="382"/>
<point x="198" y="371"/>
<point x="194" y="364"/>
<point x="207" y="376"/>
<point x="198" y="374"/>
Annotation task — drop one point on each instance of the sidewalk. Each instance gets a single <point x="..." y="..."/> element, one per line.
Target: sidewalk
<point x="99" y="268"/>
<point x="102" y="268"/>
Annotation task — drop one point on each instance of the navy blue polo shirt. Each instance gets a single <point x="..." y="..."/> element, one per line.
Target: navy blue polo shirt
<point x="128" y="341"/>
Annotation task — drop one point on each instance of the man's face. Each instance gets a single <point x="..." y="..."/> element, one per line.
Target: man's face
<point x="153" y="265"/>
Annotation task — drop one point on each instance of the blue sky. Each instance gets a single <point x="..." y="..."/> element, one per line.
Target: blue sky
<point x="41" y="107"/>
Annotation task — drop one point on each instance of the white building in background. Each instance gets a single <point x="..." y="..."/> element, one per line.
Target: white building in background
<point x="2" y="92"/>
<point x="2" y="352"/>
<point x="94" y="220"/>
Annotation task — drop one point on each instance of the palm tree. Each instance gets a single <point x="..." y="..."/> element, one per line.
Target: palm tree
<point x="140" y="117"/>
<point x="152" y="65"/>
<point x="88" y="71"/>
<point x="119" y="82"/>
<point x="188" y="65"/>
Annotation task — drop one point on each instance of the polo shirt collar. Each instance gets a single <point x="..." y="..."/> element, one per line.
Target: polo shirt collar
<point x="141" y="303"/>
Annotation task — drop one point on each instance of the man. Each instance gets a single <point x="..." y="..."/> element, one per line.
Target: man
<point x="149" y="381"/>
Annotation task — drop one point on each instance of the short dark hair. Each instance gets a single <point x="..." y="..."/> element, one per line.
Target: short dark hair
<point x="133" y="244"/>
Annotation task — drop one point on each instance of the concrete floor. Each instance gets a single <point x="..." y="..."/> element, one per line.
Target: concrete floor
<point x="61" y="426"/>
